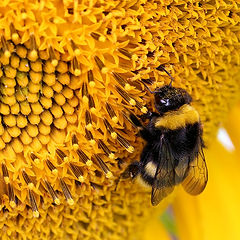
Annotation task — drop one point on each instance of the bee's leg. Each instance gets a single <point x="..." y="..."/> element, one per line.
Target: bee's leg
<point x="148" y="115"/>
<point x="144" y="132"/>
<point x="145" y="116"/>
<point x="131" y="171"/>
<point x="135" y="120"/>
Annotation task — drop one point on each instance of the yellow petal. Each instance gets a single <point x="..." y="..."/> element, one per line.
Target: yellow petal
<point x="233" y="128"/>
<point x="155" y="230"/>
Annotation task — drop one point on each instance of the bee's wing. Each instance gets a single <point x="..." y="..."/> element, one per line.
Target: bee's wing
<point x="181" y="169"/>
<point x="197" y="175"/>
<point x="164" y="180"/>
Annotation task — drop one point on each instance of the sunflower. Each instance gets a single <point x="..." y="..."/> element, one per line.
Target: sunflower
<point x="71" y="71"/>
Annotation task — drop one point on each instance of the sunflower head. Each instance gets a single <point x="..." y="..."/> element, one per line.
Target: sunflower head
<point x="70" y="74"/>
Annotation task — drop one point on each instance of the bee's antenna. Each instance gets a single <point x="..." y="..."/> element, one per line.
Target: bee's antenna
<point x="145" y="85"/>
<point x="161" y="68"/>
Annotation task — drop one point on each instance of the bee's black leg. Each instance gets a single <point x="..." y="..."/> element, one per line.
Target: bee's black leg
<point x="131" y="171"/>
<point x="145" y="116"/>
<point x="144" y="132"/>
<point x="135" y="120"/>
<point x="148" y="115"/>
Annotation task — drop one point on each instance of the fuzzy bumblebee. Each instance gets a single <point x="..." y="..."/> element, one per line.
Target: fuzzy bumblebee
<point x="173" y="153"/>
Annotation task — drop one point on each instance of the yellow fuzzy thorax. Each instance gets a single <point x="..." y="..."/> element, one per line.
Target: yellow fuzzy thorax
<point x="172" y="120"/>
<point x="70" y="72"/>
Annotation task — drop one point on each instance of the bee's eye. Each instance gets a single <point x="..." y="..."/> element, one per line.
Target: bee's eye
<point x="165" y="102"/>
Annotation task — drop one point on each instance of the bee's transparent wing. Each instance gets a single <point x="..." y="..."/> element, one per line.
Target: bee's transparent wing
<point x="197" y="175"/>
<point x="181" y="169"/>
<point x="164" y="180"/>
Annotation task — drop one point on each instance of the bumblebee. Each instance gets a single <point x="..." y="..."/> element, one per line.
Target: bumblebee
<point x="173" y="153"/>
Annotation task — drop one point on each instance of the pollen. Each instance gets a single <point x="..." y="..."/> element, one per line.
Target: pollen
<point x="71" y="72"/>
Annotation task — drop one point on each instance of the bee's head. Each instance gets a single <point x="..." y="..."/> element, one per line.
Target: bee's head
<point x="168" y="98"/>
